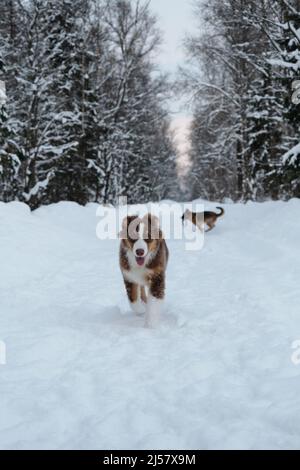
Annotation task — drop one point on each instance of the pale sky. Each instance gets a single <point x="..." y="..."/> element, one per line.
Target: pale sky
<point x="175" y="19"/>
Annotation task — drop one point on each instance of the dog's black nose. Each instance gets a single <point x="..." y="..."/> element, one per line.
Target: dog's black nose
<point x="140" y="252"/>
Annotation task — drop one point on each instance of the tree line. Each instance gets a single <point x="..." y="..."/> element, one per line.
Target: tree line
<point x="85" y="116"/>
<point x="243" y="67"/>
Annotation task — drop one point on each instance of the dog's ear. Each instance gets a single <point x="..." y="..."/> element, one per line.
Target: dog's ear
<point x="152" y="223"/>
<point x="129" y="226"/>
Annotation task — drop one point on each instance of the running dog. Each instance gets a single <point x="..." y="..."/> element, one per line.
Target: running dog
<point x="143" y="261"/>
<point x="200" y="219"/>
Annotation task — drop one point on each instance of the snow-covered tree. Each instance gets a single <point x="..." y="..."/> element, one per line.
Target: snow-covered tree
<point x="9" y="150"/>
<point x="286" y="33"/>
<point x="244" y="119"/>
<point x="134" y="116"/>
<point x="84" y="104"/>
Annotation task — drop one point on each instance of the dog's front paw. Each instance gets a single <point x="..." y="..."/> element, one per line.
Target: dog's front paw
<point x="138" y="307"/>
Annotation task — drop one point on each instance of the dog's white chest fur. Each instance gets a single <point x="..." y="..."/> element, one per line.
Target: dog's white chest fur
<point x="136" y="275"/>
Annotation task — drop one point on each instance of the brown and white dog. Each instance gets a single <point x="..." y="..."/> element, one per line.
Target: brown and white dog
<point x="200" y="219"/>
<point x="143" y="261"/>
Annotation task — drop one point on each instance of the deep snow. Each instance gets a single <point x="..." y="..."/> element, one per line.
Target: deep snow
<point x="83" y="373"/>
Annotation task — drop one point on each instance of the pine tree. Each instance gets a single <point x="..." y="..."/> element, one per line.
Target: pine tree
<point x="244" y="119"/>
<point x="289" y="46"/>
<point x="280" y="26"/>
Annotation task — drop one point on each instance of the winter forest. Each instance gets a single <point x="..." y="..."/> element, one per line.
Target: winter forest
<point x="140" y="114"/>
<point x="246" y="99"/>
<point x="85" y="114"/>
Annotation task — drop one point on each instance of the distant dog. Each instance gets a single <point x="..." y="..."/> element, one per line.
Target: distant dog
<point x="200" y="219"/>
<point x="143" y="262"/>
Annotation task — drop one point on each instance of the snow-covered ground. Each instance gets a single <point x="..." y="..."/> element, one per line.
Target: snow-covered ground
<point x="83" y="373"/>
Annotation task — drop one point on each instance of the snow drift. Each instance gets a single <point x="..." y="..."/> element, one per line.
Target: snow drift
<point x="81" y="371"/>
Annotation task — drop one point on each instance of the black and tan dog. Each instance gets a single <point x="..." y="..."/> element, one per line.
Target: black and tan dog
<point x="143" y="262"/>
<point x="200" y="219"/>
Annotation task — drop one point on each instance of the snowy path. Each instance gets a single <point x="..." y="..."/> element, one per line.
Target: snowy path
<point x="81" y="370"/>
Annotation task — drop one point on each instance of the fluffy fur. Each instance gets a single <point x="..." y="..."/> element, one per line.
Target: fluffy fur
<point x="143" y="262"/>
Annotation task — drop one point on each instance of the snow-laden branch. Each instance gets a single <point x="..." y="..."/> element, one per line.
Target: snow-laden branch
<point x="41" y="185"/>
<point x="291" y="8"/>
<point x="220" y="90"/>
<point x="292" y="155"/>
<point x="3" y="97"/>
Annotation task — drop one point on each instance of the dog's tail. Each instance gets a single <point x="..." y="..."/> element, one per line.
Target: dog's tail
<point x="221" y="213"/>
